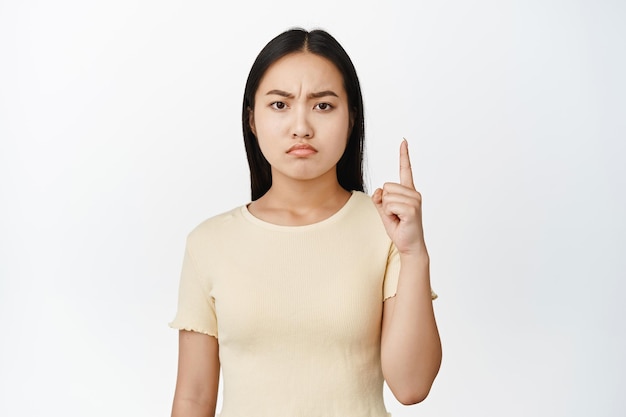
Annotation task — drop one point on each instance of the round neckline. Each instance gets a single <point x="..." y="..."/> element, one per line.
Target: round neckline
<point x="339" y="213"/>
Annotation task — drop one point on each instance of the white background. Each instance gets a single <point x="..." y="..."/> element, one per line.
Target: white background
<point x="120" y="131"/>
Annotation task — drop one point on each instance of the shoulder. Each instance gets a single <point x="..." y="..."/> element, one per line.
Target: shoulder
<point x="362" y="200"/>
<point x="363" y="206"/>
<point x="363" y="214"/>
<point x="214" y="228"/>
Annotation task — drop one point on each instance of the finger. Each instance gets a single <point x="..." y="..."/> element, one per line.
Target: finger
<point x="387" y="218"/>
<point x="377" y="197"/>
<point x="411" y="200"/>
<point x="406" y="175"/>
<point x="404" y="212"/>
<point x="395" y="188"/>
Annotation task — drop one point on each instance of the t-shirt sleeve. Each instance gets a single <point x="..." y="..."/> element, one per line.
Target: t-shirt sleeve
<point x="392" y="273"/>
<point x="196" y="309"/>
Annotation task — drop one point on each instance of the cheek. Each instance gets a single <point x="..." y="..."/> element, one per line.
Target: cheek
<point x="265" y="145"/>
<point x="341" y="141"/>
<point x="260" y="129"/>
<point x="267" y="134"/>
<point x="267" y="126"/>
<point x="343" y="130"/>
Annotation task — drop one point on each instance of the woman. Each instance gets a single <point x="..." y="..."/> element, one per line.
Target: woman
<point x="312" y="294"/>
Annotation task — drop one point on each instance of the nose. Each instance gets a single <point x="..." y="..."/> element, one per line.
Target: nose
<point x="301" y="125"/>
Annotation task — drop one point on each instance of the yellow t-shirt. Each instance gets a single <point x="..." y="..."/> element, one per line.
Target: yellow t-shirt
<point x="296" y="310"/>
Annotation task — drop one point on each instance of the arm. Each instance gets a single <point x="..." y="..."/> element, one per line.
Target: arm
<point x="198" y="375"/>
<point x="410" y="344"/>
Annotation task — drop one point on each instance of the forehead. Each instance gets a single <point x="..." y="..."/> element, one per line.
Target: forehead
<point x="302" y="70"/>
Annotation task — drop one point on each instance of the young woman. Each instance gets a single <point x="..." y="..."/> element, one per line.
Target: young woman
<point x="314" y="293"/>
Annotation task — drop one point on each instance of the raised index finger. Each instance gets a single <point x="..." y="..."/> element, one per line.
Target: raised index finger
<point x="406" y="175"/>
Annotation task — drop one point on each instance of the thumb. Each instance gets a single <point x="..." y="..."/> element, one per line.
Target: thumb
<point x="377" y="199"/>
<point x="388" y="222"/>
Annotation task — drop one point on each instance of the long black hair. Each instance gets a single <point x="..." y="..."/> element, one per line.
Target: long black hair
<point x="319" y="42"/>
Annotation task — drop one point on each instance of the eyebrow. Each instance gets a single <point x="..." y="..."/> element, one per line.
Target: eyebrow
<point x="318" y="94"/>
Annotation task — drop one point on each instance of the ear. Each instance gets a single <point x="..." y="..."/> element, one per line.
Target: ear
<point x="251" y="120"/>
<point x="352" y="117"/>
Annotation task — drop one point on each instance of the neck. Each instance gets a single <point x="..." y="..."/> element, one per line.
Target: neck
<point x="287" y="192"/>
<point x="291" y="202"/>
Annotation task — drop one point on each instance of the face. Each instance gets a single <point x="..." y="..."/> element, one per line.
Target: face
<point x="301" y="117"/>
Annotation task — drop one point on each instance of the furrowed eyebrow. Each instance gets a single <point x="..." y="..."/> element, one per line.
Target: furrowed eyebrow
<point x="319" y="94"/>
<point x="279" y="93"/>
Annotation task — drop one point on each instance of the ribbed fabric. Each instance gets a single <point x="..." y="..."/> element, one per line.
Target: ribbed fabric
<point x="296" y="310"/>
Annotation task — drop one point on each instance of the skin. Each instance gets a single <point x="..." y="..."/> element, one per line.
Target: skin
<point x="410" y="343"/>
<point x="198" y="375"/>
<point x="301" y="100"/>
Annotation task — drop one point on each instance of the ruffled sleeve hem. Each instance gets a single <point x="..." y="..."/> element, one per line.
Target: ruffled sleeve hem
<point x="191" y="328"/>
<point x="433" y="296"/>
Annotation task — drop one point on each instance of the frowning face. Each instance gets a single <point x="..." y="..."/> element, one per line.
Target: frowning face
<point x="301" y="117"/>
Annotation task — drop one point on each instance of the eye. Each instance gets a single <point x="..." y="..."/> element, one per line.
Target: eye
<point x="278" y="105"/>
<point x="324" y="106"/>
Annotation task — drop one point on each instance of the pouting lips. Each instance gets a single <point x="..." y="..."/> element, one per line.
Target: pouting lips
<point x="302" y="149"/>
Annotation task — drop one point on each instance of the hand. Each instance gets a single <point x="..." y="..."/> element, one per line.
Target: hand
<point x="400" y="208"/>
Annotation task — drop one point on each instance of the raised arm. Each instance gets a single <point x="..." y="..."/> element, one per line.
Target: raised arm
<point x="198" y="375"/>
<point x="410" y="345"/>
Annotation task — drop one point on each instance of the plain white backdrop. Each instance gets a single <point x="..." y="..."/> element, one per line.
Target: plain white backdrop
<point x="120" y="131"/>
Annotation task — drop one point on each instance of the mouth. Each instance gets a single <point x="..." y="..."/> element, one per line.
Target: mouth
<point x="301" y="149"/>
